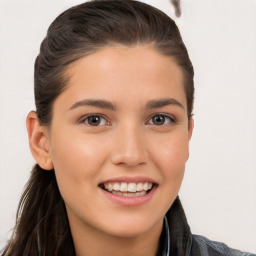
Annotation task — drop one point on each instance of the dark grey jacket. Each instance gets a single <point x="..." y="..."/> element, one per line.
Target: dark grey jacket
<point x="203" y="246"/>
<point x="177" y="239"/>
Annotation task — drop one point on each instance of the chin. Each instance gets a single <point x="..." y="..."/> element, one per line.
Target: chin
<point x="133" y="227"/>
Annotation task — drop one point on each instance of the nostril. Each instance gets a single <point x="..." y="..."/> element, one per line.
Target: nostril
<point x="128" y="160"/>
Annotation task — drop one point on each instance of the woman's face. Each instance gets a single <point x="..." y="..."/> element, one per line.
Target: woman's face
<point x="119" y="140"/>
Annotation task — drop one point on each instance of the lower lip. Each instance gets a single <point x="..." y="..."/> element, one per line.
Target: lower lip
<point x="130" y="201"/>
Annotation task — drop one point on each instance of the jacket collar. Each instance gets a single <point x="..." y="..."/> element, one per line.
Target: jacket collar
<point x="177" y="234"/>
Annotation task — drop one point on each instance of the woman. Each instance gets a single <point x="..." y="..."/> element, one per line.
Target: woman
<point x="114" y="99"/>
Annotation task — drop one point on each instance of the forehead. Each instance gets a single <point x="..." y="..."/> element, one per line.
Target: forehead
<point x="139" y="72"/>
<point x="139" y="58"/>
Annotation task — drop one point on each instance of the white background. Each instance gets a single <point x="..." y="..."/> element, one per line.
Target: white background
<point x="219" y="190"/>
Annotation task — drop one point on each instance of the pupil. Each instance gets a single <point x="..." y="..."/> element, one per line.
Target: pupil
<point x="158" y="120"/>
<point x="94" y="120"/>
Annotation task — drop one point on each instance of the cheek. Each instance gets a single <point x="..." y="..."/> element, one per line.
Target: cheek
<point x="174" y="151"/>
<point x="72" y="149"/>
<point x="171" y="155"/>
<point x="77" y="160"/>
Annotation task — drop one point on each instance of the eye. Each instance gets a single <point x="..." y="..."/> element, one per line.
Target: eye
<point x="161" y="120"/>
<point x="95" y="120"/>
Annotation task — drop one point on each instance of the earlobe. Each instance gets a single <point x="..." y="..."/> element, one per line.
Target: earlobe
<point x="38" y="141"/>
<point x="191" y="128"/>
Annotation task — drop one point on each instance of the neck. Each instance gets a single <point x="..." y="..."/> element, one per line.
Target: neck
<point x="91" y="242"/>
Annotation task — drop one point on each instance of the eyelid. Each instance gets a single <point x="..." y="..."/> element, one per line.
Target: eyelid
<point x="82" y="119"/>
<point x="171" y="117"/>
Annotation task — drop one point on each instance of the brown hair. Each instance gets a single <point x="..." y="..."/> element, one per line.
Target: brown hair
<point x="42" y="226"/>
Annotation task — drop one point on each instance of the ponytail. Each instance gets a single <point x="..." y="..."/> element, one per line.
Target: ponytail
<point x="42" y="226"/>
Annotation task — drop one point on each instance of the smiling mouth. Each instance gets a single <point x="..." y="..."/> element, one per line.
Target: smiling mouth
<point x="128" y="189"/>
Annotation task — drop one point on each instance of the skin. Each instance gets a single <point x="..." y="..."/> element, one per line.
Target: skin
<point x="125" y="143"/>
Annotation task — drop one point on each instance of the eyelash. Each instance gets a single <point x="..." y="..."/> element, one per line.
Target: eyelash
<point x="172" y="120"/>
<point x="85" y="119"/>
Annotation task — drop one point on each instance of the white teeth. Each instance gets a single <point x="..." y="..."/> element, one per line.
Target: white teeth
<point x="116" y="186"/>
<point x="145" y="186"/>
<point x="139" y="187"/>
<point x="128" y="187"/>
<point x="123" y="187"/>
<point x="129" y="194"/>
<point x="132" y="187"/>
<point x="108" y="186"/>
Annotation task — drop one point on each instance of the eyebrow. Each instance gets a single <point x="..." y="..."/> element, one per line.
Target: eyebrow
<point x="163" y="102"/>
<point x="94" y="103"/>
<point x="104" y="104"/>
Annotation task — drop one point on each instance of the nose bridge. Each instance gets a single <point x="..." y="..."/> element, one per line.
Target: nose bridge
<point x="129" y="146"/>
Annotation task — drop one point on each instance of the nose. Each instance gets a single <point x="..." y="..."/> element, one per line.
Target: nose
<point x="129" y="148"/>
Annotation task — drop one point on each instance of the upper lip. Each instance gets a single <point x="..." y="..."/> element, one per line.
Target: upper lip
<point x="129" y="179"/>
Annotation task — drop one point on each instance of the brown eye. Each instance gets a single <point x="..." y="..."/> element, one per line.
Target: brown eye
<point x="158" y="120"/>
<point x="161" y="120"/>
<point x="95" y="120"/>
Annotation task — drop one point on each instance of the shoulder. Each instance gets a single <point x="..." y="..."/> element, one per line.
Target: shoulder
<point x="205" y="247"/>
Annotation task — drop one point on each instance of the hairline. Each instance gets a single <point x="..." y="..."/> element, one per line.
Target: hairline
<point x="66" y="74"/>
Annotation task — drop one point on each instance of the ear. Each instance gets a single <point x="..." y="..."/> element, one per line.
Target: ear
<point x="190" y="128"/>
<point x="38" y="141"/>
